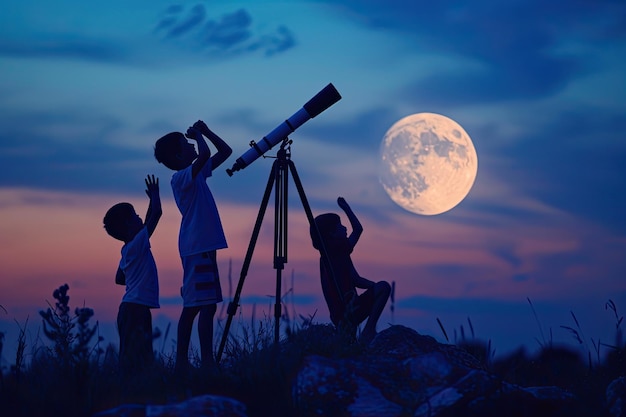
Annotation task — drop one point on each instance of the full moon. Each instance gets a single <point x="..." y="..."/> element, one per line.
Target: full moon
<point x="428" y="163"/>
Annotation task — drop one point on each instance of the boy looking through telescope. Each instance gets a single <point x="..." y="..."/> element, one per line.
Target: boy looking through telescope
<point x="201" y="233"/>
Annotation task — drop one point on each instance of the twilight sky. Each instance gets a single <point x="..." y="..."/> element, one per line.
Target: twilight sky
<point x="87" y="88"/>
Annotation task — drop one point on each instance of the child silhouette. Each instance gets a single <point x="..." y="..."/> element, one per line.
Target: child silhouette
<point x="347" y="308"/>
<point x="201" y="233"/>
<point x="137" y="271"/>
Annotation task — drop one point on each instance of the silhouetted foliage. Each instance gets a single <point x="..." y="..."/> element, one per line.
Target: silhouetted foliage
<point x="75" y="377"/>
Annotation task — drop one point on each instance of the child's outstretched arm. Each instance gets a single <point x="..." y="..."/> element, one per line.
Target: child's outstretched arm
<point x="357" y="229"/>
<point x="223" y="150"/>
<point x="154" y="207"/>
<point x="204" y="153"/>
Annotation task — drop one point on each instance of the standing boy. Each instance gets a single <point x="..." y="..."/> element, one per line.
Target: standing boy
<point x="347" y="308"/>
<point x="137" y="270"/>
<point x="201" y="233"/>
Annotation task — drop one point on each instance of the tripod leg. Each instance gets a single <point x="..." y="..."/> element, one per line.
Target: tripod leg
<point x="232" y="306"/>
<point x="280" y="238"/>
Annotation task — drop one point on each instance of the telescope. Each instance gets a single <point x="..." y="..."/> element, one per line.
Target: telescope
<point x="320" y="102"/>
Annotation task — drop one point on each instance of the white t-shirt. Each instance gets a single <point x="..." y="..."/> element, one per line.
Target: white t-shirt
<point x="142" y="282"/>
<point x="201" y="228"/>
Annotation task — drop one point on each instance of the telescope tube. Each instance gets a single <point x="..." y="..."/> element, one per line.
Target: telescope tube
<point x="320" y="102"/>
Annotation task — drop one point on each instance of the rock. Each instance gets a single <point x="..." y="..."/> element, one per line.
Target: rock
<point x="202" y="406"/>
<point x="403" y="373"/>
<point x="616" y="397"/>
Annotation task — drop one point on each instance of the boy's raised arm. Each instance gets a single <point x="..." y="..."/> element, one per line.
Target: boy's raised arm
<point x="154" y="207"/>
<point x="223" y="149"/>
<point x="204" y="153"/>
<point x="357" y="228"/>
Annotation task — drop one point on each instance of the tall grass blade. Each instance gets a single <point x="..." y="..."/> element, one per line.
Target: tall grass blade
<point x="443" y="330"/>
<point x="538" y="323"/>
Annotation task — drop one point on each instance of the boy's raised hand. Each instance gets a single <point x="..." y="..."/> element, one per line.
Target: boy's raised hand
<point x="154" y="208"/>
<point x="152" y="186"/>
<point x="343" y="204"/>
<point x="357" y="228"/>
<point x="193" y="133"/>
<point x="201" y="126"/>
<point x="204" y="153"/>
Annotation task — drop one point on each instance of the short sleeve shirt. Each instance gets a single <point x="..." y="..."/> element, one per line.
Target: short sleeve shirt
<point x="201" y="228"/>
<point x="137" y="263"/>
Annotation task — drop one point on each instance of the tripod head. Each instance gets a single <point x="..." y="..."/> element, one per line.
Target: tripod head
<point x="284" y="151"/>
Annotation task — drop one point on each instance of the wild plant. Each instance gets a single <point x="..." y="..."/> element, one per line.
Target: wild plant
<point x="18" y="368"/>
<point x="483" y="351"/>
<point x="619" y="343"/>
<point x="579" y="336"/>
<point x="543" y="343"/>
<point x="1" y="345"/>
<point x="70" y="335"/>
<point x="392" y="301"/>
<point x="2" y="334"/>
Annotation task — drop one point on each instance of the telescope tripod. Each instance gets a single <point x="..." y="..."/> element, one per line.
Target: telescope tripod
<point x="279" y="179"/>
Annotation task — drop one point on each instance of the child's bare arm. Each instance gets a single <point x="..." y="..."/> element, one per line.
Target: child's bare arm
<point x="223" y="149"/>
<point x="357" y="228"/>
<point x="120" y="277"/>
<point x="204" y="153"/>
<point x="154" y="207"/>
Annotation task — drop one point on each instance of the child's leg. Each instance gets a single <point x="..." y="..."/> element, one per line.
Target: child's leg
<point x="382" y="289"/>
<point x="185" y="325"/>
<point x="147" y="352"/>
<point x="134" y="322"/>
<point x="123" y="330"/>
<point x="205" y="333"/>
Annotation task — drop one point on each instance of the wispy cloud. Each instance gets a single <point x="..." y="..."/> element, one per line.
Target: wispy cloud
<point x="514" y="51"/>
<point x="228" y="35"/>
<point x="58" y="46"/>
<point x="188" y="30"/>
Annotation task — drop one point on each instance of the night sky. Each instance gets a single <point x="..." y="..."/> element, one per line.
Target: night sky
<point x="87" y="88"/>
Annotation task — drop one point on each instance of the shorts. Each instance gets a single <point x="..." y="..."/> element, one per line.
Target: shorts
<point x="201" y="281"/>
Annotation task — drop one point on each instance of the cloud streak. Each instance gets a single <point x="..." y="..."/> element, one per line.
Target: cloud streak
<point x="231" y="34"/>
<point x="188" y="29"/>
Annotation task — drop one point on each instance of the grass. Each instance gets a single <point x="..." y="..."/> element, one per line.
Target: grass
<point x="74" y="373"/>
<point x="582" y="371"/>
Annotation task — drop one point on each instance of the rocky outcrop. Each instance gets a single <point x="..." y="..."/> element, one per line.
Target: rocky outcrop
<point x="400" y="374"/>
<point x="403" y="373"/>
<point x="616" y="397"/>
<point x="201" y="406"/>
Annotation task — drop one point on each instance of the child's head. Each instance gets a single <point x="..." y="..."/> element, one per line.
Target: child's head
<point x="327" y="225"/>
<point x="174" y="151"/>
<point x="122" y="222"/>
